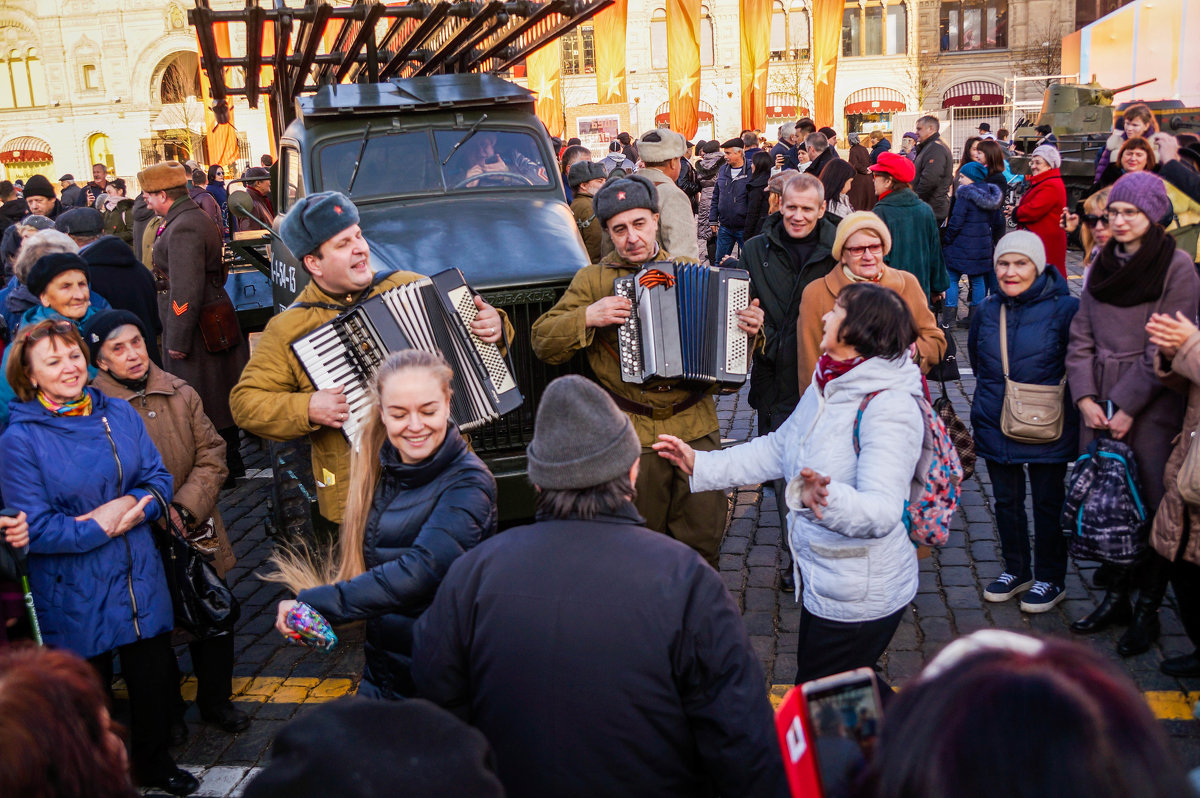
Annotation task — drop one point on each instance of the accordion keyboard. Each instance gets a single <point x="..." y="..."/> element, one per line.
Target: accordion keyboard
<point x="629" y="334"/>
<point x="737" y="342"/>
<point x="464" y="304"/>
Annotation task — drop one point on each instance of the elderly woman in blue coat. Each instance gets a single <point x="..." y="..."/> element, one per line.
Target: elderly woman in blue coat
<point x="1036" y="307"/>
<point x="79" y="464"/>
<point x="419" y="499"/>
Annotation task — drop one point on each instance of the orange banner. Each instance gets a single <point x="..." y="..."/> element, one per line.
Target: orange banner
<point x="544" y="73"/>
<point x="827" y="42"/>
<point x="608" y="37"/>
<point x="683" y="65"/>
<point x="756" y="54"/>
<point x="220" y="137"/>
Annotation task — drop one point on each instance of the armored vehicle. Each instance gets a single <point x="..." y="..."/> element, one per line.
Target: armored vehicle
<point x="393" y="105"/>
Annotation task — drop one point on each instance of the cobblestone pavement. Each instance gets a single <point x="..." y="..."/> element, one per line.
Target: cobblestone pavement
<point x="276" y="680"/>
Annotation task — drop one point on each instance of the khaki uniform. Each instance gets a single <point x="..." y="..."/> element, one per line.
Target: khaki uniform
<point x="664" y="498"/>
<point x="588" y="224"/>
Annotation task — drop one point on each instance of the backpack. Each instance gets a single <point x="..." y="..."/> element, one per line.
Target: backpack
<point x="1103" y="516"/>
<point x="933" y="495"/>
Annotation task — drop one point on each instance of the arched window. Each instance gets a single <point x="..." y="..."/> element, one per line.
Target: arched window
<point x="180" y="79"/>
<point x="658" y="38"/>
<point x="100" y="150"/>
<point x="799" y="37"/>
<point x="789" y="34"/>
<point x="706" y="38"/>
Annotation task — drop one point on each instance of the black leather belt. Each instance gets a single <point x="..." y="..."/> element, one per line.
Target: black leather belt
<point x="649" y="411"/>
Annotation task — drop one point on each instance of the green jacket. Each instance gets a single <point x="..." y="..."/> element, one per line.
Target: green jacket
<point x="588" y="224"/>
<point x="916" y="242"/>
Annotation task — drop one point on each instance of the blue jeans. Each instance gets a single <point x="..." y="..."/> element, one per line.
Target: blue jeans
<point x="979" y="288"/>
<point x="725" y="238"/>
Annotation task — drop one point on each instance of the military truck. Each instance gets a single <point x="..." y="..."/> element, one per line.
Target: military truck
<point x="393" y="105"/>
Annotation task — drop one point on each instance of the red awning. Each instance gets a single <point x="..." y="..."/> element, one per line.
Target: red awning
<point x="783" y="106"/>
<point x="665" y="119"/>
<point x="971" y="93"/>
<point x="25" y="149"/>
<point x="875" y="100"/>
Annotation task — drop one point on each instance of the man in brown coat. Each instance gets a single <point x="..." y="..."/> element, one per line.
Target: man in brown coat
<point x="194" y="453"/>
<point x="189" y="275"/>
<point x="257" y="181"/>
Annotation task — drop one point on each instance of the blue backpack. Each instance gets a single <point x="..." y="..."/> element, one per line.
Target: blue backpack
<point x="1104" y="516"/>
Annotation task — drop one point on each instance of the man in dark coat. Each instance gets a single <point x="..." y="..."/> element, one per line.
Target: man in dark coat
<point x="189" y="274"/>
<point x="598" y="657"/>
<point x="257" y="181"/>
<point x="935" y="168"/>
<point x="785" y="147"/>
<point x="95" y="188"/>
<point x="68" y="191"/>
<point x="39" y="196"/>
<point x="795" y="248"/>
<point x="727" y="210"/>
<point x="12" y="208"/>
<point x="819" y="153"/>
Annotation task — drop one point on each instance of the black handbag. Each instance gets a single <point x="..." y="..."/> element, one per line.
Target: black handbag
<point x="204" y="604"/>
<point x="964" y="443"/>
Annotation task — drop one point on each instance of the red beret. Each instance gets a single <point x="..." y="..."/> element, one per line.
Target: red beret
<point x="898" y="166"/>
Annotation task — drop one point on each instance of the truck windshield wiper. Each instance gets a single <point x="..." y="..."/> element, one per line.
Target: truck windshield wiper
<point x="358" y="161"/>
<point x="470" y="132"/>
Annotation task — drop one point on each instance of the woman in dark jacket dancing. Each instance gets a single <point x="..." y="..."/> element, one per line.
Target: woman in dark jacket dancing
<point x="419" y="498"/>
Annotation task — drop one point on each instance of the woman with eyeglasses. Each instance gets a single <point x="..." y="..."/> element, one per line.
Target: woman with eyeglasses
<point x="1092" y="225"/>
<point x="861" y="243"/>
<point x="1138" y="155"/>
<point x="1041" y="207"/>
<point x="79" y="464"/>
<point x="1111" y="375"/>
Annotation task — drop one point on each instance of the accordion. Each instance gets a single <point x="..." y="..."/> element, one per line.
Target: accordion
<point x="684" y="324"/>
<point x="433" y="314"/>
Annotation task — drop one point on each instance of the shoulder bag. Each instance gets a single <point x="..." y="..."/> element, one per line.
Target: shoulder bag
<point x="1188" y="478"/>
<point x="1031" y="413"/>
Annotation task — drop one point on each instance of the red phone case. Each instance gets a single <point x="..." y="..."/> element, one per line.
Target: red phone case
<point x="796" y="742"/>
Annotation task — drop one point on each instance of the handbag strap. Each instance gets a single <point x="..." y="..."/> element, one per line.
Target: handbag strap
<point x="1004" y="338"/>
<point x="165" y="506"/>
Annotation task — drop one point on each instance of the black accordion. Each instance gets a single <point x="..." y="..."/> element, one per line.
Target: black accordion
<point x="433" y="314"/>
<point x="684" y="324"/>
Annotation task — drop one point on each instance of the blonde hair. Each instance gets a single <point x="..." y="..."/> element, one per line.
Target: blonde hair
<point x="1096" y="205"/>
<point x="298" y="568"/>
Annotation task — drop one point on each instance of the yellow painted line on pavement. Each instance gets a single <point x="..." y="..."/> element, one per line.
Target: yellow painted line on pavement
<point x="271" y="689"/>
<point x="1165" y="704"/>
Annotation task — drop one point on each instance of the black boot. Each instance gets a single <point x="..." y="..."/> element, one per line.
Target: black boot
<point x="1103" y="577"/>
<point x="949" y="316"/>
<point x="1144" y="629"/>
<point x="1114" y="609"/>
<point x="233" y="456"/>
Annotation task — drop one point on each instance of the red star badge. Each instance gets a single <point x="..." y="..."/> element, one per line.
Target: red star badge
<point x="337" y="209"/>
<point x="620" y="195"/>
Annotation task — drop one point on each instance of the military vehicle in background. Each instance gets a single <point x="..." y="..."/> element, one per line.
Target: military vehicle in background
<point x="1081" y="116"/>
<point x="397" y="106"/>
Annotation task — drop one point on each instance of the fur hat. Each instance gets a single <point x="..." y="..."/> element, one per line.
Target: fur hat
<point x="315" y="219"/>
<point x="39" y="186"/>
<point x="1145" y="191"/>
<point x="898" y="166"/>
<point x="163" y="176"/>
<point x="583" y="171"/>
<point x="660" y="146"/>
<point x="101" y="325"/>
<point x="580" y="438"/>
<point x="624" y="194"/>
<point x="1022" y="242"/>
<point x="857" y="222"/>
<point x="1049" y="154"/>
<point x="47" y="267"/>
<point x="80" y="222"/>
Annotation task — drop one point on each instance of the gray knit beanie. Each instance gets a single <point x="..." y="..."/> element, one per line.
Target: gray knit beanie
<point x="580" y="438"/>
<point x="1050" y="154"/>
<point x="1022" y="242"/>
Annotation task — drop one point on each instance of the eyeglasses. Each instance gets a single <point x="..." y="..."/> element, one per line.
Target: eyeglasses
<point x="1127" y="216"/>
<point x="40" y="331"/>
<point x="858" y="252"/>
<point x="1091" y="220"/>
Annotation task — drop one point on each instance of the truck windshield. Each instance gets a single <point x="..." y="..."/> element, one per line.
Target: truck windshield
<point x="395" y="164"/>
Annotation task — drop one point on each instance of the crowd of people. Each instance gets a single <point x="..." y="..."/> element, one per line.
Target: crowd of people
<point x="596" y="651"/>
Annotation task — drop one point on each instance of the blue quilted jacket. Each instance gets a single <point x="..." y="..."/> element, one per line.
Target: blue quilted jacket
<point x="1039" y="321"/>
<point x="974" y="226"/>
<point x="92" y="592"/>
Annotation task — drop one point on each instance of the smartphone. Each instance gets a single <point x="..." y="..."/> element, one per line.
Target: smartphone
<point x="844" y="716"/>
<point x="492" y="159"/>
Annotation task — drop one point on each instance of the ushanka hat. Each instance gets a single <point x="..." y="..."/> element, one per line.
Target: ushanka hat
<point x="624" y="194"/>
<point x="580" y="438"/>
<point x="660" y="146"/>
<point x="163" y="176"/>
<point x="584" y="171"/>
<point x="315" y="219"/>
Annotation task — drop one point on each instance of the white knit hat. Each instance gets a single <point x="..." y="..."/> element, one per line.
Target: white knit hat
<point x="1050" y="155"/>
<point x="1022" y="242"/>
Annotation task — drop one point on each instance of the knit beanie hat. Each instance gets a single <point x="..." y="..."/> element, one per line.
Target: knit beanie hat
<point x="974" y="170"/>
<point x="1050" y="155"/>
<point x="710" y="147"/>
<point x="910" y="135"/>
<point x="47" y="267"/>
<point x="624" y="194"/>
<point x="360" y="748"/>
<point x="39" y="186"/>
<point x="101" y="325"/>
<point x="315" y="219"/>
<point x="856" y="222"/>
<point x="1022" y="242"/>
<point x="1145" y="191"/>
<point x="580" y="438"/>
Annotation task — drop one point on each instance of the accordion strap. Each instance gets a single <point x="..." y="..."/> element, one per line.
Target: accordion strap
<point x="649" y="411"/>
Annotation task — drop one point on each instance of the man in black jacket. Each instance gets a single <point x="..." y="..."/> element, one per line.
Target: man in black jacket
<point x="727" y="210"/>
<point x="934" y="164"/>
<point x="795" y="248"/>
<point x="819" y="153"/>
<point x="598" y="658"/>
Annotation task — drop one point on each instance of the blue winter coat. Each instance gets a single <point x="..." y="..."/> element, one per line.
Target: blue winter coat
<point x="92" y="593"/>
<point x="728" y="206"/>
<point x="424" y="516"/>
<point x="975" y="224"/>
<point x="1039" y="321"/>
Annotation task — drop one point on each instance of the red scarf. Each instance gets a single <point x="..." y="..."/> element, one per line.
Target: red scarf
<point x="830" y="369"/>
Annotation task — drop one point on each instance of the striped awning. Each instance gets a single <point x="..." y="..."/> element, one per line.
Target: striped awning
<point x="25" y="149"/>
<point x="875" y="100"/>
<point x="973" y="92"/>
<point x="662" y="114"/>
<point x="783" y="106"/>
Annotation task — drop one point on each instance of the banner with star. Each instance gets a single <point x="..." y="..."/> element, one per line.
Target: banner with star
<point x="756" y="53"/>
<point x="827" y="43"/>
<point x="608" y="37"/>
<point x="220" y="135"/>
<point x="543" y="69"/>
<point x="683" y="65"/>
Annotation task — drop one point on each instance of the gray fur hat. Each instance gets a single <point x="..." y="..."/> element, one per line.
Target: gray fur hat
<point x="580" y="438"/>
<point x="624" y="194"/>
<point x="660" y="146"/>
<point x="315" y="219"/>
<point x="583" y="171"/>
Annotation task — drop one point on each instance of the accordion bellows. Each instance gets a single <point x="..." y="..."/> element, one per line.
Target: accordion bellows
<point x="684" y="324"/>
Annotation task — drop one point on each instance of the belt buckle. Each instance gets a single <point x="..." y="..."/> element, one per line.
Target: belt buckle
<point x="662" y="413"/>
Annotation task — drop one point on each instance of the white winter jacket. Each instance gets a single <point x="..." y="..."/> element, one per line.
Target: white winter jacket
<point x="857" y="563"/>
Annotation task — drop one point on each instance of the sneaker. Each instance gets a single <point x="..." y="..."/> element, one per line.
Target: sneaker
<point x="1005" y="587"/>
<point x="1043" y="596"/>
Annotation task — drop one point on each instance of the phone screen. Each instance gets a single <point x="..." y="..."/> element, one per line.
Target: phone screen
<point x="844" y="716"/>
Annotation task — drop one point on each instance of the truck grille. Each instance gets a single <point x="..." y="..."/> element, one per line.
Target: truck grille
<point x="513" y="431"/>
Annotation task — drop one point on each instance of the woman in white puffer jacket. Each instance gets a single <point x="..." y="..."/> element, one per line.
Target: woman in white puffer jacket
<point x="846" y="532"/>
